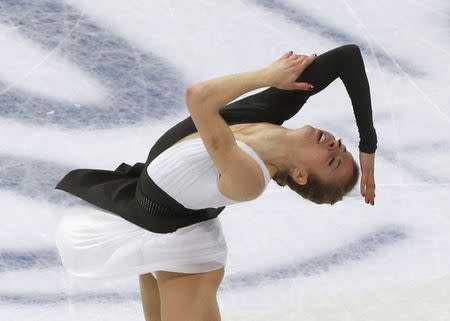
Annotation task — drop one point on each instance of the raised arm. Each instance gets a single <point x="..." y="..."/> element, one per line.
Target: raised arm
<point x="343" y="62"/>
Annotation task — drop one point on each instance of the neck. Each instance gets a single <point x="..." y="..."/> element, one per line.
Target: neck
<point x="273" y="143"/>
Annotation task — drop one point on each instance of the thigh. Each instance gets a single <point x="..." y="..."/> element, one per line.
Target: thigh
<point x="150" y="297"/>
<point x="188" y="296"/>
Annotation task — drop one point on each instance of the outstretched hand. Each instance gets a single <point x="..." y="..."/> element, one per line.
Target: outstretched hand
<point x="284" y="72"/>
<point x="367" y="185"/>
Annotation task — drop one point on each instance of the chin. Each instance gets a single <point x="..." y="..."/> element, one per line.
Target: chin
<point x="307" y="129"/>
<point x="307" y="134"/>
<point x="311" y="132"/>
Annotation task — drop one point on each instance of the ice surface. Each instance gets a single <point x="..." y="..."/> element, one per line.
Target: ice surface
<point x="91" y="84"/>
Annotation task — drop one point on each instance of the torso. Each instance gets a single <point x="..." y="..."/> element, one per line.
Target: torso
<point x="249" y="133"/>
<point x="201" y="185"/>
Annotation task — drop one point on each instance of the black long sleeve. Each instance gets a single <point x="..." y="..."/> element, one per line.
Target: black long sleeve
<point x="343" y="62"/>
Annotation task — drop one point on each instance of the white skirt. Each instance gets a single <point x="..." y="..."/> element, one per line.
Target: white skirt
<point x="95" y="243"/>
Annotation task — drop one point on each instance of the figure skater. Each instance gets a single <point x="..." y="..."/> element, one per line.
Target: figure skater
<point x="221" y="164"/>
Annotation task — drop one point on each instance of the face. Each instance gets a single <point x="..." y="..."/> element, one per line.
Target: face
<point x="324" y="155"/>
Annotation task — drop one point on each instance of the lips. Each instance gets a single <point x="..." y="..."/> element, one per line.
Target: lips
<point x="320" y="137"/>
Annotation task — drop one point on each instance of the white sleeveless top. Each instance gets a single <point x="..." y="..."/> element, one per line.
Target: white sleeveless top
<point x="187" y="173"/>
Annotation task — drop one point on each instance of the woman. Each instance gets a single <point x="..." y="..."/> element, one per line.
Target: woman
<point x="222" y="164"/>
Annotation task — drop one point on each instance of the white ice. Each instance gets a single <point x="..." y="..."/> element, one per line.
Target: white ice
<point x="82" y="80"/>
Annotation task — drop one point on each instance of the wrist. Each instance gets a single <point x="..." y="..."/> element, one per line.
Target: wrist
<point x="265" y="77"/>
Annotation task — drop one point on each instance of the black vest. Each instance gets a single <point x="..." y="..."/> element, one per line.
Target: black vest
<point x="130" y="193"/>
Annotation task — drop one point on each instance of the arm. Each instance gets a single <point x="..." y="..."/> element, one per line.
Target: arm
<point x="204" y="100"/>
<point x="346" y="63"/>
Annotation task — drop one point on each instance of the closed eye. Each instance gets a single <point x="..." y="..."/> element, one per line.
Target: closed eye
<point x="340" y="143"/>
<point x="331" y="161"/>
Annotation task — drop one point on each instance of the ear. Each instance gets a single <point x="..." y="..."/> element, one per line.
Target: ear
<point x="300" y="175"/>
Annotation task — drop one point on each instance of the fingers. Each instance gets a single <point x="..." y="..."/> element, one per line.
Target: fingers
<point x="367" y="184"/>
<point x="297" y="57"/>
<point x="370" y="194"/>
<point x="362" y="185"/>
<point x="367" y="187"/>
<point x="302" y="86"/>
<point x="294" y="65"/>
<point x="303" y="60"/>
<point x="287" y="55"/>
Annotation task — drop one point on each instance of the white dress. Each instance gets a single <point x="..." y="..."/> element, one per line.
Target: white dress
<point x="96" y="243"/>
